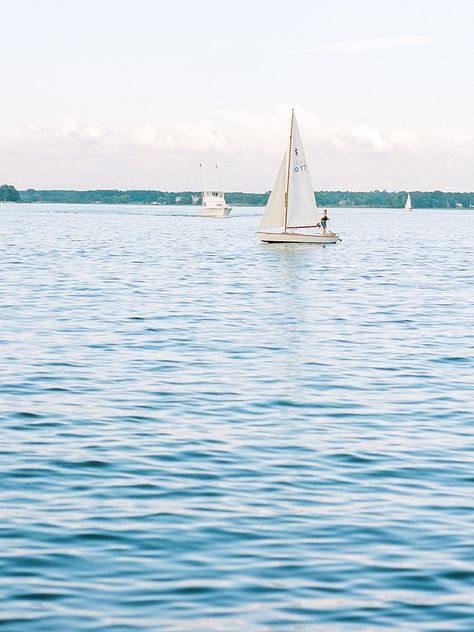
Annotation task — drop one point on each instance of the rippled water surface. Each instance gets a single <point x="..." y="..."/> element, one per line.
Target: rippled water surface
<point x="201" y="432"/>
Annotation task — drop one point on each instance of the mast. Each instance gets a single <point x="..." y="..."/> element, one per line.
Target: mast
<point x="202" y="179"/>
<point x="219" y="179"/>
<point x="288" y="173"/>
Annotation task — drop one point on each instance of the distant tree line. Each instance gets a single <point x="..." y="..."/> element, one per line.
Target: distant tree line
<point x="395" y="199"/>
<point x="9" y="193"/>
<point x="372" y="199"/>
<point x="112" y="196"/>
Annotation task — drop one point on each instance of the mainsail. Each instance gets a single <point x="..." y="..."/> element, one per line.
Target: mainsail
<point x="291" y="203"/>
<point x="302" y="210"/>
<point x="274" y="215"/>
<point x="408" y="203"/>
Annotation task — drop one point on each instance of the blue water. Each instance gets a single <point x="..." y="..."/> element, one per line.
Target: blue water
<point x="200" y="432"/>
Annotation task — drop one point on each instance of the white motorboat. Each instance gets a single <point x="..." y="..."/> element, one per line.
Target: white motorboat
<point x="213" y="200"/>
<point x="214" y="204"/>
<point x="291" y="214"/>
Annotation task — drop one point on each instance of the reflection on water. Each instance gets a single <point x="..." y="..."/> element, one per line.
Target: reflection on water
<point x="203" y="432"/>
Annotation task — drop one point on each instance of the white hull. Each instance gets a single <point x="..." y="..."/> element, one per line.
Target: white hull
<point x="299" y="238"/>
<point x="216" y="211"/>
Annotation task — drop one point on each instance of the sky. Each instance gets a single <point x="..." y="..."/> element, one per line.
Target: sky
<point x="135" y="94"/>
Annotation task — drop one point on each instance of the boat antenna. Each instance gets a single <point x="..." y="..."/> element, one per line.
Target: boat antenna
<point x="288" y="170"/>
<point x="202" y="178"/>
<point x="219" y="179"/>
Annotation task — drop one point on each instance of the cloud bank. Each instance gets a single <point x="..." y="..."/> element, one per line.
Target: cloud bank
<point x="248" y="146"/>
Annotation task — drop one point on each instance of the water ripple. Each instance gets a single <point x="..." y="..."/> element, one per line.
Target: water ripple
<point x="201" y="432"/>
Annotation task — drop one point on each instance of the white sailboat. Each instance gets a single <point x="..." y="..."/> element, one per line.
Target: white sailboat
<point x="213" y="201"/>
<point x="408" y="206"/>
<point x="291" y="213"/>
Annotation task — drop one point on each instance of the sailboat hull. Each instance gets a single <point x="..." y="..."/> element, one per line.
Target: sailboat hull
<point x="216" y="211"/>
<point x="298" y="238"/>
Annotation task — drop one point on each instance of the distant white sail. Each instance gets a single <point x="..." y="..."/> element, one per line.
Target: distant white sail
<point x="302" y="209"/>
<point x="274" y="215"/>
<point x="408" y="203"/>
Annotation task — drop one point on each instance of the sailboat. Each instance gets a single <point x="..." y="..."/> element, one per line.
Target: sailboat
<point x="408" y="204"/>
<point x="291" y="213"/>
<point x="213" y="201"/>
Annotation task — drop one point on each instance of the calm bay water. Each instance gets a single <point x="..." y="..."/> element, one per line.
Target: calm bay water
<point x="201" y="432"/>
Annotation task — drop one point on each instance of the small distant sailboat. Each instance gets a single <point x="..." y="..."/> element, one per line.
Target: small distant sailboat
<point x="291" y="213"/>
<point x="213" y="201"/>
<point x="408" y="206"/>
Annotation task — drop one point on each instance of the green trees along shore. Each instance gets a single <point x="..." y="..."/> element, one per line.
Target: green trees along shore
<point x="371" y="199"/>
<point x="8" y="193"/>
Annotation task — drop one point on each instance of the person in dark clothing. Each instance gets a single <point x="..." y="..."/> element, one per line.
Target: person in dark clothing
<point x="323" y="220"/>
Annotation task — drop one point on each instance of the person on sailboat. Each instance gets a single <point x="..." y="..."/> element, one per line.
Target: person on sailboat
<point x="323" y="220"/>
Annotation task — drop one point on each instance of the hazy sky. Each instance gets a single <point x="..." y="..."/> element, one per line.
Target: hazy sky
<point x="136" y="93"/>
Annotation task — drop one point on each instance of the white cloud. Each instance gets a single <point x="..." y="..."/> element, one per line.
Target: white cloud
<point x="248" y="147"/>
<point x="376" y="43"/>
